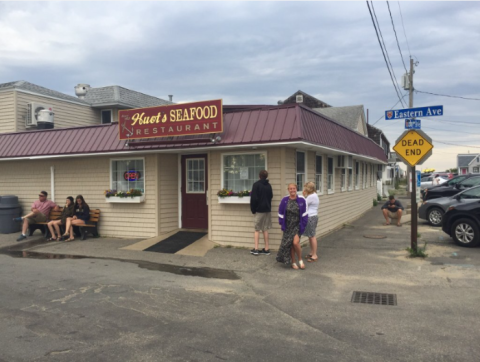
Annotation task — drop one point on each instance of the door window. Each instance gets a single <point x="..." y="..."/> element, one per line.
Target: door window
<point x="195" y="175"/>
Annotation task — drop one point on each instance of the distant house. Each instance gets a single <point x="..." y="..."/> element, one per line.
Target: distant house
<point x="350" y="116"/>
<point x="468" y="163"/>
<point x="21" y="101"/>
<point x="301" y="97"/>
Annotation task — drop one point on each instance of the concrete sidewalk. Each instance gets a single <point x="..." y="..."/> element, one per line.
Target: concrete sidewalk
<point x="367" y="232"/>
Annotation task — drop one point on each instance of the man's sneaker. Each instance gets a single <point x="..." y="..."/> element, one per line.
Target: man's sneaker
<point x="254" y="251"/>
<point x="17" y="219"/>
<point x="264" y="252"/>
<point x="21" y="237"/>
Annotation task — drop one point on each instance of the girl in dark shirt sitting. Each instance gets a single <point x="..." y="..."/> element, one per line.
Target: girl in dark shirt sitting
<point x="81" y="217"/>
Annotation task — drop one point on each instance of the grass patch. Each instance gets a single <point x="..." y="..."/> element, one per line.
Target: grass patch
<point x="419" y="253"/>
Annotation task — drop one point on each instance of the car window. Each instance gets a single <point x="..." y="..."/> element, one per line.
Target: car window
<point x="424" y="179"/>
<point x="472" y="181"/>
<point x="454" y="181"/>
<point x="471" y="194"/>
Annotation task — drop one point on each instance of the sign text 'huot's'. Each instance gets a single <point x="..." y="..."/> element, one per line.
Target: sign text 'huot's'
<point x="172" y="120"/>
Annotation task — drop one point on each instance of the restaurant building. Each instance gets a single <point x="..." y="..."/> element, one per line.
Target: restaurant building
<point x="180" y="174"/>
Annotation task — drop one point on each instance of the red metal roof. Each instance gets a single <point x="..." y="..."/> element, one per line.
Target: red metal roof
<point x="242" y="125"/>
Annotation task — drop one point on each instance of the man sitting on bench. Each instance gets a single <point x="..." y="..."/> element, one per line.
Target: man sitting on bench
<point x="40" y="210"/>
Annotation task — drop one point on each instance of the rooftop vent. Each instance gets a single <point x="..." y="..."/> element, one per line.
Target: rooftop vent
<point x="81" y="90"/>
<point x="170" y="97"/>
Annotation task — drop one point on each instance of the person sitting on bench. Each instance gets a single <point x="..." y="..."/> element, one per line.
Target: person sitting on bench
<point x="68" y="211"/>
<point x="39" y="213"/>
<point x="81" y="217"/>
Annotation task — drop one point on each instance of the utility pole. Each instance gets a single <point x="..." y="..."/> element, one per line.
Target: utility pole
<point x="413" y="196"/>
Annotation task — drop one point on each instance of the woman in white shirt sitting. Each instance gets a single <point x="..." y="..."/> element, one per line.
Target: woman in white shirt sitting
<point x="310" y="194"/>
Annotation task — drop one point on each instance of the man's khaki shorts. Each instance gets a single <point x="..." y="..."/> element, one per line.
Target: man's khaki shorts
<point x="392" y="215"/>
<point x="36" y="218"/>
<point x="263" y="221"/>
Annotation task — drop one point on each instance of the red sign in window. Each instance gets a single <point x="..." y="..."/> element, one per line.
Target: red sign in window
<point x="131" y="175"/>
<point x="172" y="120"/>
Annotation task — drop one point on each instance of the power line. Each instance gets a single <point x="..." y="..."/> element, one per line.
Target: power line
<point x="378" y="38"/>
<point x="452" y="122"/>
<point x="451" y="131"/>
<point x="406" y="94"/>
<point x="403" y="26"/>
<point x="398" y="44"/>
<point x="454" y="144"/>
<point x="446" y="95"/>
<point x="386" y="51"/>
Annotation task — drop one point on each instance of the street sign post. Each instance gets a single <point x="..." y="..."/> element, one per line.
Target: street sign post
<point x="413" y="124"/>
<point x="431" y="111"/>
<point x="413" y="147"/>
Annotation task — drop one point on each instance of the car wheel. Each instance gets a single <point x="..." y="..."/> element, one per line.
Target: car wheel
<point x="435" y="216"/>
<point x="465" y="232"/>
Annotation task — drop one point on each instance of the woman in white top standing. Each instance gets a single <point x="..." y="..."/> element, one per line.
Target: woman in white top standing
<point x="311" y="230"/>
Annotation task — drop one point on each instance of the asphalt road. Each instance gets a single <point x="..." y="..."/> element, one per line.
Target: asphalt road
<point x="110" y="310"/>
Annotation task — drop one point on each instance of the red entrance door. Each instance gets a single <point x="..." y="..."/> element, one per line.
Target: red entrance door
<point x="194" y="192"/>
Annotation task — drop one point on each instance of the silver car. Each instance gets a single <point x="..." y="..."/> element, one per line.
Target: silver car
<point x="433" y="210"/>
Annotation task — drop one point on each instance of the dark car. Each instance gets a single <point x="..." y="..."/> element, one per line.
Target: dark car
<point x="433" y="210"/>
<point x="451" y="187"/>
<point x="462" y="223"/>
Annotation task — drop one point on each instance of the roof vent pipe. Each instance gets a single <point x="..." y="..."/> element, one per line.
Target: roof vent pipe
<point x="170" y="97"/>
<point x="81" y="90"/>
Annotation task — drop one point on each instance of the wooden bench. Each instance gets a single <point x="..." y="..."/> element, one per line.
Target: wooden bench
<point x="54" y="215"/>
<point x="83" y="230"/>
<point x="91" y="225"/>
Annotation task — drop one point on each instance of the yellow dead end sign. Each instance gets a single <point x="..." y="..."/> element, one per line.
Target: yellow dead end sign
<point x="413" y="147"/>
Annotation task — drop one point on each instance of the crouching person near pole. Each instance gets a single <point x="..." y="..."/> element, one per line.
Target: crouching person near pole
<point x="39" y="213"/>
<point x="392" y="209"/>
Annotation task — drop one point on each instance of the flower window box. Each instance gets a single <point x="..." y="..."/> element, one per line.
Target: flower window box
<point x="234" y="200"/>
<point x="126" y="200"/>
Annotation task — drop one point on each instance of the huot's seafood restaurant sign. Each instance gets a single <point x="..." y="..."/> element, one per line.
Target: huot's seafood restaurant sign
<point x="172" y="120"/>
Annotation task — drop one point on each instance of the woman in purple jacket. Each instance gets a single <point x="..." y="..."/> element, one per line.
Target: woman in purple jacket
<point x="293" y="217"/>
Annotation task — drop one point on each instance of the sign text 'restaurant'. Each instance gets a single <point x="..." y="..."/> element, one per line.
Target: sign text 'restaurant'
<point x="172" y="120"/>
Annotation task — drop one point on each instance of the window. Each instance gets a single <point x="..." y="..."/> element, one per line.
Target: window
<point x="470" y="182"/>
<point x="357" y="174"/>
<point x="364" y="179"/>
<point x="240" y="171"/>
<point x="300" y="170"/>
<point x="127" y="174"/>
<point x="106" y="116"/>
<point x="343" y="176"/>
<point x="372" y="175"/>
<point x="475" y="170"/>
<point x="350" y="173"/>
<point x="195" y="172"/>
<point x="319" y="173"/>
<point x="330" y="176"/>
<point x="471" y="194"/>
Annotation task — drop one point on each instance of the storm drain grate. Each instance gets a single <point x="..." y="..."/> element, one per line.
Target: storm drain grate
<point x="374" y="298"/>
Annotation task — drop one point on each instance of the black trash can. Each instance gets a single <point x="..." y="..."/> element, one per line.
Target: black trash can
<point x="9" y="208"/>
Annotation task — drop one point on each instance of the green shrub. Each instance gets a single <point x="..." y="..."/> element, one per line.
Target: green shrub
<point x="375" y="202"/>
<point x="379" y="197"/>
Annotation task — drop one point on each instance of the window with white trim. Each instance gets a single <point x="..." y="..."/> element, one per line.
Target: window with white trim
<point x="343" y="173"/>
<point x="350" y="173"/>
<point x="357" y="174"/>
<point x="319" y="173"/>
<point x="127" y="174"/>
<point x="240" y="171"/>
<point x="300" y="168"/>
<point x="330" y="176"/>
<point x="364" y="178"/>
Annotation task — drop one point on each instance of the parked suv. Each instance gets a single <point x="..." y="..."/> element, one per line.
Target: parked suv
<point x="462" y="223"/>
<point x="434" y="209"/>
<point x="451" y="187"/>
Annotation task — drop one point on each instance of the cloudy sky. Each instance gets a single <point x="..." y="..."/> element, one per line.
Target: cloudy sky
<point x="259" y="53"/>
